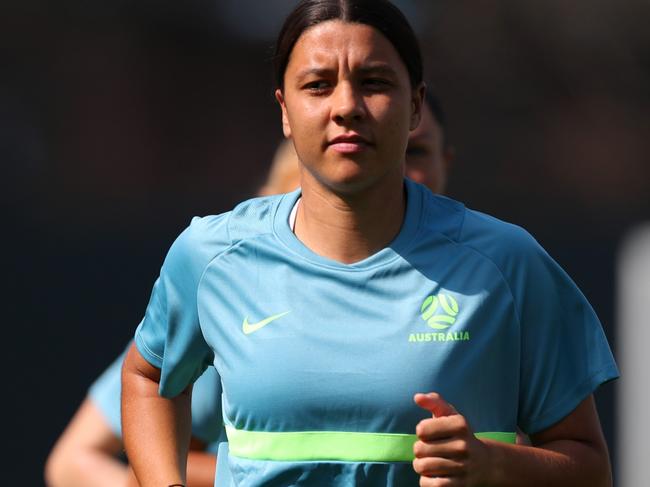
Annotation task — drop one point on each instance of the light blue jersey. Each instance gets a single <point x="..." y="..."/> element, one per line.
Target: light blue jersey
<point x="320" y="360"/>
<point x="207" y="423"/>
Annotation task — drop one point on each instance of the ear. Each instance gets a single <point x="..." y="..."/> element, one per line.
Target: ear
<point x="417" y="100"/>
<point x="286" y="128"/>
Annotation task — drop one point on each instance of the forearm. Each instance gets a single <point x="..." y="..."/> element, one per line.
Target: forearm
<point x="201" y="467"/>
<point x="561" y="463"/>
<point x="156" y="430"/>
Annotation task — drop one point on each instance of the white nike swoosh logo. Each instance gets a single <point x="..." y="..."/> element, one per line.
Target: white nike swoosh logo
<point x="249" y="328"/>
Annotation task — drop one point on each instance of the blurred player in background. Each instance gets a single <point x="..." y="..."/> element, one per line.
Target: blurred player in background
<point x="89" y="453"/>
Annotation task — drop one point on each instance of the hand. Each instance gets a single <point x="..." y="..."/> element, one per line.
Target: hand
<point x="447" y="454"/>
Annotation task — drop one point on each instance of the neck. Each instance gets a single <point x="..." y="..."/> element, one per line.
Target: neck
<point x="349" y="227"/>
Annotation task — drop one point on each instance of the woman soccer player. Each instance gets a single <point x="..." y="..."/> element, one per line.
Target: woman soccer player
<point x="343" y="316"/>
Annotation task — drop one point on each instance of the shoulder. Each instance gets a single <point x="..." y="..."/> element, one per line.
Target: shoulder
<point x="253" y="217"/>
<point x="521" y="261"/>
<point x="485" y="234"/>
<point x="208" y="236"/>
<point x="508" y="249"/>
<point x="519" y="258"/>
<point x="203" y="239"/>
<point x="496" y="238"/>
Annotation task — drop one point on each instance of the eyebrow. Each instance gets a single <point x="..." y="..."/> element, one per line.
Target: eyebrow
<point x="380" y="68"/>
<point x="313" y="71"/>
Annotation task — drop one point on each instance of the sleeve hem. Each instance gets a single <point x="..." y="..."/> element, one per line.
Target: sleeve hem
<point x="572" y="400"/>
<point x="151" y="357"/>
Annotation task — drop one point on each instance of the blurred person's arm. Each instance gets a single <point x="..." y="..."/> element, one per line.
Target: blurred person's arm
<point x="156" y="429"/>
<point x="86" y="454"/>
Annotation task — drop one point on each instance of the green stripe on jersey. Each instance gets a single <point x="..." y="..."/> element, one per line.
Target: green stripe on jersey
<point x="330" y="445"/>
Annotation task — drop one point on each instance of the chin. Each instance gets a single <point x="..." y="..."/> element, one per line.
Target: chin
<point x="349" y="176"/>
<point x="352" y="183"/>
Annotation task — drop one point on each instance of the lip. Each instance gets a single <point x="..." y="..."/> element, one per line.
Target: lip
<point x="349" y="143"/>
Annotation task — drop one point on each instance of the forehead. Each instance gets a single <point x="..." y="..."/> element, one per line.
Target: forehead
<point x="335" y="42"/>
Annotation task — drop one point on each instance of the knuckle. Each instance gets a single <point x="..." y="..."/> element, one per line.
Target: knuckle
<point x="458" y="421"/>
<point x="462" y="445"/>
<point x="462" y="448"/>
<point x="418" y="449"/>
<point x="423" y="428"/>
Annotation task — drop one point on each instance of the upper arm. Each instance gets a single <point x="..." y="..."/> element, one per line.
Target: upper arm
<point x="136" y="365"/>
<point x="579" y="437"/>
<point x="582" y="425"/>
<point x="170" y="336"/>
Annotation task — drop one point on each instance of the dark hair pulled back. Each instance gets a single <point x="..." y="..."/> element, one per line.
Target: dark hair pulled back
<point x="380" y="14"/>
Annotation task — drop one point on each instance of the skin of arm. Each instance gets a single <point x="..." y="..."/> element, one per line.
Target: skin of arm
<point x="571" y="453"/>
<point x="156" y="429"/>
<point x="86" y="453"/>
<point x="201" y="468"/>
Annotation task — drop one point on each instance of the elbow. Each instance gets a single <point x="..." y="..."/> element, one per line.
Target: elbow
<point x="606" y="476"/>
<point x="601" y="466"/>
<point x="66" y="467"/>
<point x="54" y="471"/>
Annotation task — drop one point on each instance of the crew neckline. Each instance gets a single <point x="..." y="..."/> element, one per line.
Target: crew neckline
<point x="410" y="225"/>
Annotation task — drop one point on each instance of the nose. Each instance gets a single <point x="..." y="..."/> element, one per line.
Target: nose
<point x="347" y="104"/>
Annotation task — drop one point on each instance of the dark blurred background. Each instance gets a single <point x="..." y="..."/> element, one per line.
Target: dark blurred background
<point x="121" y="120"/>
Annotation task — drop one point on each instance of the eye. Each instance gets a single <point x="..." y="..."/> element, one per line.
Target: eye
<point x="317" y="87"/>
<point x="376" y="84"/>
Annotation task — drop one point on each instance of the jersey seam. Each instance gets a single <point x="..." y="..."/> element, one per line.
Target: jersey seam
<point x="488" y="258"/>
<point x="205" y="268"/>
<point x="231" y="245"/>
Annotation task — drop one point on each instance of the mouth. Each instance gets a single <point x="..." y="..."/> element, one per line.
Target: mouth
<point x="349" y="143"/>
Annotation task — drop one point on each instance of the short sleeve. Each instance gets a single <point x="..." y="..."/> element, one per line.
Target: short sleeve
<point x="105" y="394"/>
<point x="207" y="420"/>
<point x="564" y="352"/>
<point x="169" y="336"/>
